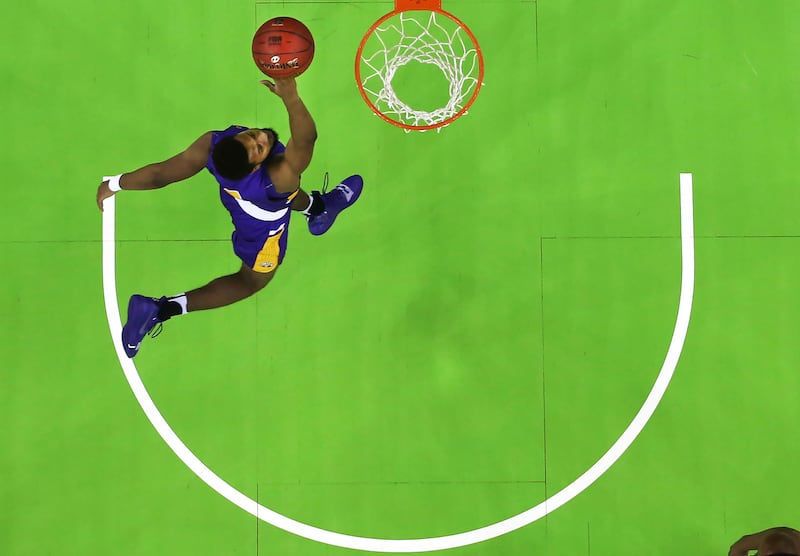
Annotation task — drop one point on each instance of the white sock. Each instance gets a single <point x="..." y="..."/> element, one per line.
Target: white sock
<point x="180" y="299"/>
<point x="308" y="208"/>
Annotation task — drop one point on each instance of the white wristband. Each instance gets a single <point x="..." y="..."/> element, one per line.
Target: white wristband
<point x="113" y="183"/>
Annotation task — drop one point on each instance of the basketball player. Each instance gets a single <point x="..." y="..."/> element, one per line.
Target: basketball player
<point x="778" y="541"/>
<point x="259" y="181"/>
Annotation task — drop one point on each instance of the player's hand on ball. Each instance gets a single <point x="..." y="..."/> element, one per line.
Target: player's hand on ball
<point x="285" y="87"/>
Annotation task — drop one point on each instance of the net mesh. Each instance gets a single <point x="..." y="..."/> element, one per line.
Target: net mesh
<point x="427" y="38"/>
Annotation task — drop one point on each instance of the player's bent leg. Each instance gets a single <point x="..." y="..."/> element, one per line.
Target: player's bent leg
<point x="301" y="201"/>
<point x="145" y="314"/>
<point x="228" y="289"/>
<point x="259" y="265"/>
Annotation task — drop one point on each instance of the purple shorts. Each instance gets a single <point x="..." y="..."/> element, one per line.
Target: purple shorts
<point x="261" y="245"/>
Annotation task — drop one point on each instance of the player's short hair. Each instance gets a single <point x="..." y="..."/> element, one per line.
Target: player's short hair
<point x="231" y="159"/>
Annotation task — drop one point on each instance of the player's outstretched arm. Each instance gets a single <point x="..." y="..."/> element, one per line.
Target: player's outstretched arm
<point x="154" y="176"/>
<point x="300" y="146"/>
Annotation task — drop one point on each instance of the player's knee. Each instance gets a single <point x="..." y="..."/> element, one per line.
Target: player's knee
<point x="255" y="281"/>
<point x="259" y="281"/>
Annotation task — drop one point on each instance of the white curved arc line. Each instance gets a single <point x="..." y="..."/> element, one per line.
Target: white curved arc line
<point x="434" y="543"/>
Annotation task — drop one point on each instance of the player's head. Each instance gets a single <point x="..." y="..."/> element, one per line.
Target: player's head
<point x="236" y="156"/>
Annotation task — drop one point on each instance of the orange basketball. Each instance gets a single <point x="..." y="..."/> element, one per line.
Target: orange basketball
<point x="283" y="47"/>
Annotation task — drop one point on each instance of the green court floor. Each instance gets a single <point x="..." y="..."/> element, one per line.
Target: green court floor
<point x="468" y="339"/>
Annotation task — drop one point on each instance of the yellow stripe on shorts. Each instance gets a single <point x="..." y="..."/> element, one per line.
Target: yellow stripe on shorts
<point x="267" y="258"/>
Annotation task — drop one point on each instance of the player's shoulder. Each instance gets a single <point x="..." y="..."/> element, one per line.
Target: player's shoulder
<point x="203" y="142"/>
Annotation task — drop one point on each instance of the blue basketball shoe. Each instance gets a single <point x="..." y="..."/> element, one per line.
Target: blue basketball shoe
<point x="336" y="200"/>
<point x="142" y="318"/>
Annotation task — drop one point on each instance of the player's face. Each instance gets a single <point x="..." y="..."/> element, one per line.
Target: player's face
<point x="258" y="143"/>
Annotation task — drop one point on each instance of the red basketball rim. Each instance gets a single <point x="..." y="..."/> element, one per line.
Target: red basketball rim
<point x="419" y="5"/>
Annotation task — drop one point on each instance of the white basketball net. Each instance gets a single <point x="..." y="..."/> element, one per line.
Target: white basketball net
<point x="439" y="41"/>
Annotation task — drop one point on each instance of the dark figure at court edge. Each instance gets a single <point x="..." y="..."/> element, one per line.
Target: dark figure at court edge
<point x="778" y="541"/>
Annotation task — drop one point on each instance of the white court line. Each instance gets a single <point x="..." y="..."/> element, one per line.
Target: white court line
<point x="434" y="543"/>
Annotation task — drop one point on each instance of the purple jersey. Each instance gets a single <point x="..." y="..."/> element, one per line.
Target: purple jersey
<point x="260" y="215"/>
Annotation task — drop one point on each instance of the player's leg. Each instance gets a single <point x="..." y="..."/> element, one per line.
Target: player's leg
<point x="310" y="205"/>
<point x="227" y="289"/>
<point x="260" y="260"/>
<point x="302" y="202"/>
<point x="146" y="313"/>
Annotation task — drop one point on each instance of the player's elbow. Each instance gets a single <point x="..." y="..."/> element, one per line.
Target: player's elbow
<point x="310" y="138"/>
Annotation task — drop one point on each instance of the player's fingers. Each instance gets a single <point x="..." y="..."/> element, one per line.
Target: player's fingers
<point x="100" y="196"/>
